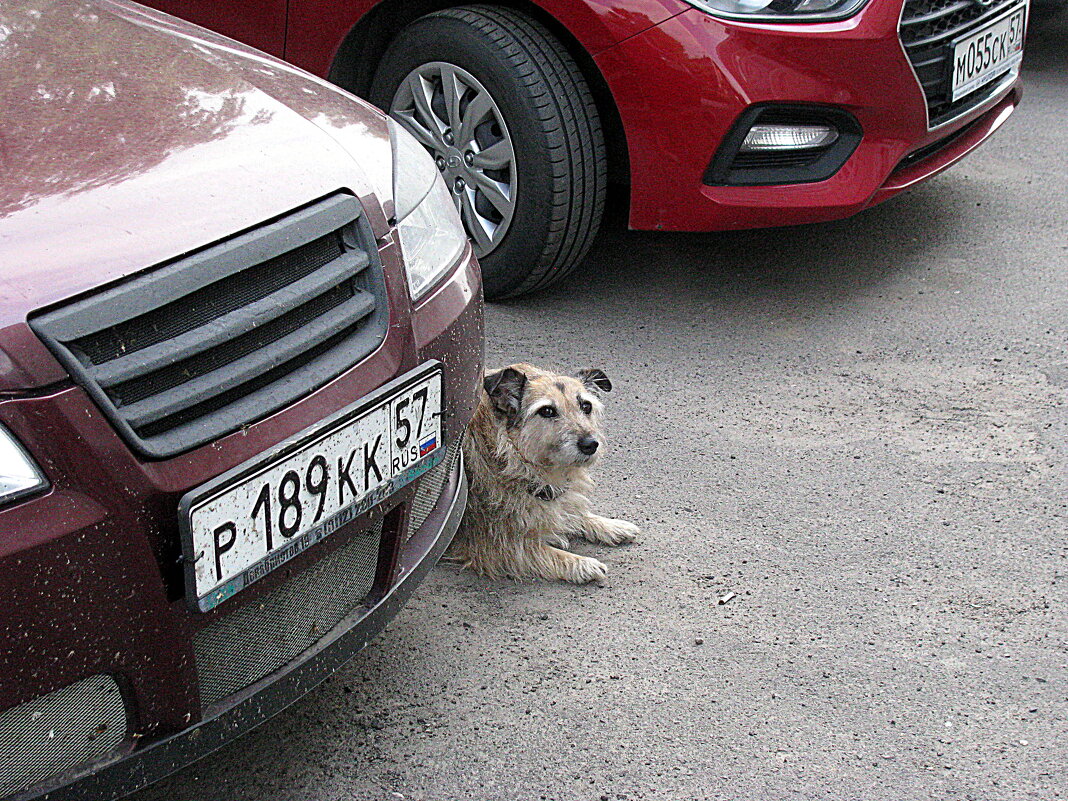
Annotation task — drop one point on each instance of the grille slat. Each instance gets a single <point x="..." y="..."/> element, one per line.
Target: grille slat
<point x="241" y="405"/>
<point x="934" y="61"/>
<point x="205" y="305"/>
<point x="928" y="29"/>
<point x="231" y="374"/>
<point x="200" y="347"/>
<point x="231" y="352"/>
<point x="235" y="323"/>
<point x="951" y="33"/>
<point x="937" y="14"/>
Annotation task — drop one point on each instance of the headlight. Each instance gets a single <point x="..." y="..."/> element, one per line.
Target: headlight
<point x="780" y="10"/>
<point x="19" y="475"/>
<point x="428" y="225"/>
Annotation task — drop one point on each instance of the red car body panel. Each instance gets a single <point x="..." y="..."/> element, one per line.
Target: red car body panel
<point x="680" y="77"/>
<point x="258" y="23"/>
<point x="699" y="73"/>
<point x="316" y="27"/>
<point x="307" y="33"/>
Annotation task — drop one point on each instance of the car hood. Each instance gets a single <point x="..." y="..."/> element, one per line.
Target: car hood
<point x="129" y="138"/>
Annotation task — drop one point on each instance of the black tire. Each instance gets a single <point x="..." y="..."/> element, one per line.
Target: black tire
<point x="559" y="154"/>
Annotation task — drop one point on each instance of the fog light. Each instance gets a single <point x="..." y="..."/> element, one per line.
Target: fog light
<point x="783" y="143"/>
<point x="19" y="474"/>
<point x="764" y="138"/>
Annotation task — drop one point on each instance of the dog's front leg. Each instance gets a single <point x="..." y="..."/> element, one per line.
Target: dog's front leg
<point x="607" y="530"/>
<point x="545" y="561"/>
<point x="533" y="558"/>
<point x="557" y="540"/>
<point x="529" y="558"/>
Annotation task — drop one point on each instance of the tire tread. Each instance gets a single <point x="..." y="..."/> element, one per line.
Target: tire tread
<point x="569" y="121"/>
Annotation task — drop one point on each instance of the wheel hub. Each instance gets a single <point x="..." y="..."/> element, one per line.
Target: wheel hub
<point x="454" y="163"/>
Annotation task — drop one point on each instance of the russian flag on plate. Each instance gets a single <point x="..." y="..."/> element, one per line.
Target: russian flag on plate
<point x="427" y="446"/>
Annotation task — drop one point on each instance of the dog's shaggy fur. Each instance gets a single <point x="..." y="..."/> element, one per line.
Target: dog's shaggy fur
<point x="528" y="451"/>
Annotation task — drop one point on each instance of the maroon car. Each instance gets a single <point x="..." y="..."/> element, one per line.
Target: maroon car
<point x="240" y="335"/>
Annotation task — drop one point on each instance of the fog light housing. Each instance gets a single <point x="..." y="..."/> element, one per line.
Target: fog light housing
<point x="19" y="474"/>
<point x="788" y="137"/>
<point x="773" y="144"/>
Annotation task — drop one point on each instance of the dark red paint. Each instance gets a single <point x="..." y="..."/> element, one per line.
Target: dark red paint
<point x="129" y="139"/>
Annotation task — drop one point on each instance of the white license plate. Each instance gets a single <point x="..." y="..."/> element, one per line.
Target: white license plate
<point x="244" y="524"/>
<point x="988" y="53"/>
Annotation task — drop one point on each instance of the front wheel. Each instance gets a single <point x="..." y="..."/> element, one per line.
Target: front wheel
<point x="513" y="127"/>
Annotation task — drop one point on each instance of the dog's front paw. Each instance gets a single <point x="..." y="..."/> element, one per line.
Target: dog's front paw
<point x="584" y="569"/>
<point x="610" y="531"/>
<point x="622" y="531"/>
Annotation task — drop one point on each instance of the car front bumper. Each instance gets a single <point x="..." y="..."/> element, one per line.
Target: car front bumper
<point x="681" y="86"/>
<point x="242" y="712"/>
<point x="94" y="566"/>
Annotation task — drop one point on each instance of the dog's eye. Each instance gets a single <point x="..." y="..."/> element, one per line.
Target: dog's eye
<point x="548" y="412"/>
<point x="586" y="406"/>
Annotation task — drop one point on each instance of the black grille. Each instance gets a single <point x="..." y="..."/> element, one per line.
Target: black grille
<point x="928" y="30"/>
<point x="927" y="151"/>
<point x="200" y="347"/>
<point x="211" y="302"/>
<point x="56" y="732"/>
<point x="430" y="488"/>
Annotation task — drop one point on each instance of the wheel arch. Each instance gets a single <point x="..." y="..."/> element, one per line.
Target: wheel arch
<point x="364" y="45"/>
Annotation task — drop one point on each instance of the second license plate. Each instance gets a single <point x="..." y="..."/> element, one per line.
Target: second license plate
<point x="982" y="56"/>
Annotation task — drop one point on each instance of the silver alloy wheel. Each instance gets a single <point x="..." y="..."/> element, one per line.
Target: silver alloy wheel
<point x="456" y="119"/>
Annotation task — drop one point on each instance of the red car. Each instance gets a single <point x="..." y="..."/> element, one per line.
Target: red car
<point x="240" y="337"/>
<point x="719" y="114"/>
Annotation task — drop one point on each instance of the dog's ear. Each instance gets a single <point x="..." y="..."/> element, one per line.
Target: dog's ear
<point x="595" y="379"/>
<point x="505" y="389"/>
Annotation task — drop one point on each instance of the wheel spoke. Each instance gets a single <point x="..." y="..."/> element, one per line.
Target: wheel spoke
<point x="480" y="106"/>
<point x="426" y="114"/>
<point x="494" y="192"/>
<point x="487" y="206"/>
<point x="474" y="223"/>
<point x="453" y="88"/>
<point x="495" y="157"/>
<point x="416" y="129"/>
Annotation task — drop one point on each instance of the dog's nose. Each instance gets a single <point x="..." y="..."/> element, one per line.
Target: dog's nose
<point x="588" y="445"/>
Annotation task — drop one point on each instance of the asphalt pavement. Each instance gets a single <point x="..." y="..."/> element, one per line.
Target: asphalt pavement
<point x="858" y="429"/>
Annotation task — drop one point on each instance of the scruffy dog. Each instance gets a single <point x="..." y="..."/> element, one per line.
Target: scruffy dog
<point x="528" y="451"/>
